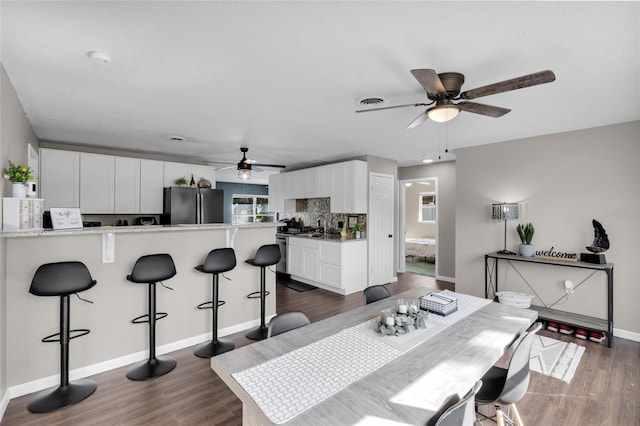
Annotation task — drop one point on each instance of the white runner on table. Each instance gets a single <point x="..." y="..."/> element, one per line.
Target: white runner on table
<point x="290" y="384"/>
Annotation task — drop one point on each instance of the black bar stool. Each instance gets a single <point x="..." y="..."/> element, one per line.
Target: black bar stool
<point x="217" y="262"/>
<point x="62" y="279"/>
<point x="150" y="270"/>
<point x="267" y="255"/>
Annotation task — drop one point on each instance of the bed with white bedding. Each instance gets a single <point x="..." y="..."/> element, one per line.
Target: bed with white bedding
<point x="421" y="248"/>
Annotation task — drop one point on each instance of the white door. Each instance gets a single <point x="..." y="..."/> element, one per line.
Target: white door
<point x="380" y="229"/>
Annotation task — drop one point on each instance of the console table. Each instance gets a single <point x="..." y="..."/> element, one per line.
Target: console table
<point x="548" y="313"/>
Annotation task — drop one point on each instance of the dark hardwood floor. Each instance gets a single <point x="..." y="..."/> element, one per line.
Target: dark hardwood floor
<point x="604" y="391"/>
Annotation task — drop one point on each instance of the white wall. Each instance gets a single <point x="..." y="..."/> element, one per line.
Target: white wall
<point x="15" y="135"/>
<point x="563" y="182"/>
<point x="413" y="227"/>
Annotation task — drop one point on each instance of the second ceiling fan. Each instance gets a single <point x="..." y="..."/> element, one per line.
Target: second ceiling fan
<point x="444" y="88"/>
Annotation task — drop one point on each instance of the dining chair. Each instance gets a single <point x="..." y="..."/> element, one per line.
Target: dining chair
<point x="287" y="321"/>
<point x="507" y="386"/>
<point x="455" y="411"/>
<point x="375" y="293"/>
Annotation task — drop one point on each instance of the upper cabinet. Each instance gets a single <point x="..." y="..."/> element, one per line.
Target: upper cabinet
<point x="344" y="183"/>
<point x="108" y="184"/>
<point x="97" y="185"/>
<point x="59" y="179"/>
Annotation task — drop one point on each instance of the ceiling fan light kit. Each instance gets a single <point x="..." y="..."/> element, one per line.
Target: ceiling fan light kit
<point x="442" y="114"/>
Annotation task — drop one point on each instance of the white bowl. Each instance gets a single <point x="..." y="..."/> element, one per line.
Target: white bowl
<point x="514" y="298"/>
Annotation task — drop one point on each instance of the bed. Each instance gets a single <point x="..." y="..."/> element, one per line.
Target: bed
<point x="421" y="248"/>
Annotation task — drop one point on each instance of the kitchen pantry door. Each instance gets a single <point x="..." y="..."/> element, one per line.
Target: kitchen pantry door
<point x="380" y="229"/>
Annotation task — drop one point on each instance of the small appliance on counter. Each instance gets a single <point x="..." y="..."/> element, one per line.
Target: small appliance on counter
<point x="146" y="220"/>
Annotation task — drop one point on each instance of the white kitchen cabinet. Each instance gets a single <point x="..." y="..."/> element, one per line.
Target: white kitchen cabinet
<point x="333" y="265"/>
<point x="59" y="180"/>
<point x="356" y="190"/>
<point x="337" y="188"/>
<point x="302" y="258"/>
<point x="127" y="185"/>
<point x="97" y="183"/>
<point x="277" y="199"/>
<point x="324" y="181"/>
<point x="151" y="185"/>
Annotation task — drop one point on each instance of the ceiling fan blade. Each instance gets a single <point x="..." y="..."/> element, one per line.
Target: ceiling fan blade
<point x="529" y="80"/>
<point x="489" y="110"/>
<point x="226" y="168"/>
<point x="430" y="81"/>
<point x="277" y="166"/>
<point x="390" y="107"/>
<point x="418" y="121"/>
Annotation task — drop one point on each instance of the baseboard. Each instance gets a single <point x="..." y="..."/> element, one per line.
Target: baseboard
<point x="4" y="402"/>
<point x="447" y="279"/>
<point x="90" y="370"/>
<point x="624" y="334"/>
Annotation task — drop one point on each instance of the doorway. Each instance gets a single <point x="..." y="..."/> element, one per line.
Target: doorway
<point x="418" y="226"/>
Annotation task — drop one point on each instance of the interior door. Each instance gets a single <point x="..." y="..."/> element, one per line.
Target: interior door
<point x="380" y="229"/>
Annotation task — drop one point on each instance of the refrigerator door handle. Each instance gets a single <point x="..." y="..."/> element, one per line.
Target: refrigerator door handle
<point x="198" y="208"/>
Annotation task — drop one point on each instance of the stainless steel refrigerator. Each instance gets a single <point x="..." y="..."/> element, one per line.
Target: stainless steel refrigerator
<point x="192" y="205"/>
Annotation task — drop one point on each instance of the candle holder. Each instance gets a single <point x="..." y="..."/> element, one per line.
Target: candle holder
<point x="406" y="318"/>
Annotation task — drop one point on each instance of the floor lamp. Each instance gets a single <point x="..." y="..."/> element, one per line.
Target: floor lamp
<point x="505" y="211"/>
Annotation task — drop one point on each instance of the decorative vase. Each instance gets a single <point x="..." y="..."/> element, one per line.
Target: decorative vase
<point x="358" y="234"/>
<point x="526" y="250"/>
<point x="19" y="190"/>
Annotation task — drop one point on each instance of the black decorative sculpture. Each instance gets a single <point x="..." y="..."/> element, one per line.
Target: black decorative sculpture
<point x="600" y="240"/>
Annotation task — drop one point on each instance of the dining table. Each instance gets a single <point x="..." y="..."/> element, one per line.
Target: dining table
<point x="341" y="371"/>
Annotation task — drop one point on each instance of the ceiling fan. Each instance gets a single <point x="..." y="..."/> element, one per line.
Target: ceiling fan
<point x="245" y="166"/>
<point x="444" y="88"/>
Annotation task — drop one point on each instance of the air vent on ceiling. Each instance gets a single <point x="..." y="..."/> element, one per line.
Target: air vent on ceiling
<point x="371" y="101"/>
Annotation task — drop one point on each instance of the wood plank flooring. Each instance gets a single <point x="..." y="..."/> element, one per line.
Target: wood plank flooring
<point x="604" y="391"/>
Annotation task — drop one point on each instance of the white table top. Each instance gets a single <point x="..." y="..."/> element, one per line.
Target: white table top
<point x="404" y="387"/>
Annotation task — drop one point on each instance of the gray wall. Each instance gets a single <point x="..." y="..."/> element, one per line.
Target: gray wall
<point x="446" y="244"/>
<point x="15" y="135"/>
<point x="238" y="188"/>
<point x="562" y="181"/>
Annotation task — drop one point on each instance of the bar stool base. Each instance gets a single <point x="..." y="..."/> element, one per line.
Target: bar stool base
<point x="150" y="368"/>
<point x="210" y="349"/>
<point x="257" y="333"/>
<point x="61" y="396"/>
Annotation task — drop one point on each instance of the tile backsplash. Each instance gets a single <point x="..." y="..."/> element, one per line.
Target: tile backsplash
<point x="309" y="210"/>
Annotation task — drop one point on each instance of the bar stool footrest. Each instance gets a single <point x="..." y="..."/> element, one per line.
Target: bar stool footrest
<point x="140" y="320"/>
<point x="79" y="333"/>
<point x="210" y="302"/>
<point x="257" y="295"/>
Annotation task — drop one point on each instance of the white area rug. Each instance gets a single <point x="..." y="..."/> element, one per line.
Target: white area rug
<point x="555" y="358"/>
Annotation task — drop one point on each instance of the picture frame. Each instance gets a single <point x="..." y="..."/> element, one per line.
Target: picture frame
<point x="351" y="221"/>
<point x="66" y="218"/>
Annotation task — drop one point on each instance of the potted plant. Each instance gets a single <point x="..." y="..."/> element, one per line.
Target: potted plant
<point x="181" y="181"/>
<point x="19" y="176"/>
<point x="526" y="235"/>
<point x="356" y="229"/>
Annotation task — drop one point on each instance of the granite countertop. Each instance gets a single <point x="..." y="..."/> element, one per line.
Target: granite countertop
<point x="322" y="237"/>
<point x="135" y="229"/>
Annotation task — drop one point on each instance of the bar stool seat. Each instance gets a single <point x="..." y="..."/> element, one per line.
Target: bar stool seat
<point x="62" y="279"/>
<point x="266" y="255"/>
<point x="151" y="269"/>
<point x="217" y="262"/>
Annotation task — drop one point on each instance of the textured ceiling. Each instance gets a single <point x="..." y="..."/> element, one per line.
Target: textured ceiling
<point x="284" y="78"/>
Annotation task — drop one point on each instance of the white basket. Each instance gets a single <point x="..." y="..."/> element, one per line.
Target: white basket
<point x="513" y="298"/>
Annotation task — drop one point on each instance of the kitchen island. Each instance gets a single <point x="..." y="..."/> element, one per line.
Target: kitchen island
<point x="334" y="264"/>
<point x="110" y="253"/>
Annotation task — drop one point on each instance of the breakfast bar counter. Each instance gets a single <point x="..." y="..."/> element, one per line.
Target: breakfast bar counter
<point x="110" y="253"/>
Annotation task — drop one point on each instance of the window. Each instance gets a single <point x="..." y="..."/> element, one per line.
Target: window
<point x="427" y="203"/>
<point x="251" y="209"/>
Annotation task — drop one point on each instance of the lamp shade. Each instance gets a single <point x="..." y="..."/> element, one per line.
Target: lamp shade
<point x="442" y="113"/>
<point x="505" y="211"/>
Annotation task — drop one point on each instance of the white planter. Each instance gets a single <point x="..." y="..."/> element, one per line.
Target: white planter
<point x="526" y="250"/>
<point x="19" y="190"/>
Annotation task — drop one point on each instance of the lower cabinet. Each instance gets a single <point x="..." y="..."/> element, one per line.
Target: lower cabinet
<point x="339" y="266"/>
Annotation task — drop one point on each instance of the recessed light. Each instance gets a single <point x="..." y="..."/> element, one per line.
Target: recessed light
<point x="99" y="57"/>
<point x="427" y="160"/>
<point x="176" y="139"/>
